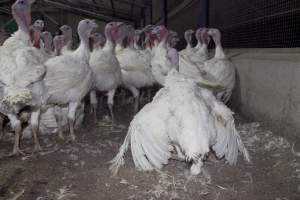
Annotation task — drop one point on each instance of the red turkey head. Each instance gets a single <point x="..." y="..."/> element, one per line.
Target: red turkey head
<point x="113" y="31"/>
<point x="161" y="32"/>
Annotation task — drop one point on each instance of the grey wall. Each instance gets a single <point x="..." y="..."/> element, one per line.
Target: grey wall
<point x="268" y="88"/>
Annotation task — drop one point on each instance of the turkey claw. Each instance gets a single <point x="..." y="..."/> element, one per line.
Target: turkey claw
<point x="16" y="152"/>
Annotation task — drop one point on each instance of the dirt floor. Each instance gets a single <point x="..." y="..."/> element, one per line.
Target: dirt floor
<point x="79" y="171"/>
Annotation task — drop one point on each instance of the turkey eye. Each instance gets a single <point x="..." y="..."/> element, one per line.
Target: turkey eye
<point x="21" y="2"/>
<point x="87" y="22"/>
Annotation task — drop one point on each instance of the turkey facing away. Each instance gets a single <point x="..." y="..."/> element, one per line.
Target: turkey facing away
<point x="185" y="117"/>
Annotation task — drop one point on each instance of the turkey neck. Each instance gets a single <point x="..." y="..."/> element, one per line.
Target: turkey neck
<point x="199" y="42"/>
<point x="83" y="51"/>
<point x="219" y="53"/>
<point x="203" y="48"/>
<point x="48" y="46"/>
<point x="163" y="40"/>
<point x="188" y="42"/>
<point x="136" y="42"/>
<point x="69" y="40"/>
<point x="130" y="42"/>
<point x="111" y="41"/>
<point x="23" y="25"/>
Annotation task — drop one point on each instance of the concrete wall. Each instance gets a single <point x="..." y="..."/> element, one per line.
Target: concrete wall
<point x="268" y="88"/>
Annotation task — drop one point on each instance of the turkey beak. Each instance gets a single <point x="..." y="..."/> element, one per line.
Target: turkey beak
<point x="94" y="24"/>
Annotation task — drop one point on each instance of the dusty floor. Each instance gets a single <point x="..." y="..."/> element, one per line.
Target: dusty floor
<point x="79" y="171"/>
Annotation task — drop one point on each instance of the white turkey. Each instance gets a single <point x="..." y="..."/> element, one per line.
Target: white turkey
<point x="68" y="38"/>
<point x="199" y="39"/>
<point x="48" y="122"/>
<point x="47" y="44"/>
<point x="21" y="73"/>
<point x="98" y="41"/>
<point x="201" y="53"/>
<point x="172" y="53"/>
<point x="221" y="68"/>
<point x="69" y="77"/>
<point x="149" y="42"/>
<point x="185" y="117"/>
<point x="106" y="68"/>
<point x="135" y="68"/>
<point x="160" y="62"/>
<point x="188" y="36"/>
<point x="137" y="39"/>
<point x="193" y="64"/>
<point x="58" y="43"/>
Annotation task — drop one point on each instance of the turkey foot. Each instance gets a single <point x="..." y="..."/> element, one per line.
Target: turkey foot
<point x="196" y="166"/>
<point x="16" y="152"/>
<point x="61" y="135"/>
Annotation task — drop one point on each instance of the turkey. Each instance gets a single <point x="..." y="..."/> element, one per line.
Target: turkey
<point x="58" y="43"/>
<point x="201" y="53"/>
<point x="220" y="68"/>
<point x="47" y="123"/>
<point x="199" y="39"/>
<point x="135" y="68"/>
<point x="69" y="77"/>
<point x="47" y="44"/>
<point x="106" y="68"/>
<point x="137" y="39"/>
<point x="185" y="117"/>
<point x="35" y="32"/>
<point x="68" y="38"/>
<point x="149" y="40"/>
<point x="172" y="53"/>
<point x="188" y="35"/>
<point x="98" y="41"/>
<point x="160" y="63"/>
<point x="193" y="65"/>
<point x="21" y="73"/>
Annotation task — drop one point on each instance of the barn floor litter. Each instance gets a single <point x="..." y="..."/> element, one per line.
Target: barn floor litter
<point x="79" y="171"/>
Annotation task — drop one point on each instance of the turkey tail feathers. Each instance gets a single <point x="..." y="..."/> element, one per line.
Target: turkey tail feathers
<point x="118" y="160"/>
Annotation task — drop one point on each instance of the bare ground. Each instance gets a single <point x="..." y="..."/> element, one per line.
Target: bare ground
<point x="79" y="171"/>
